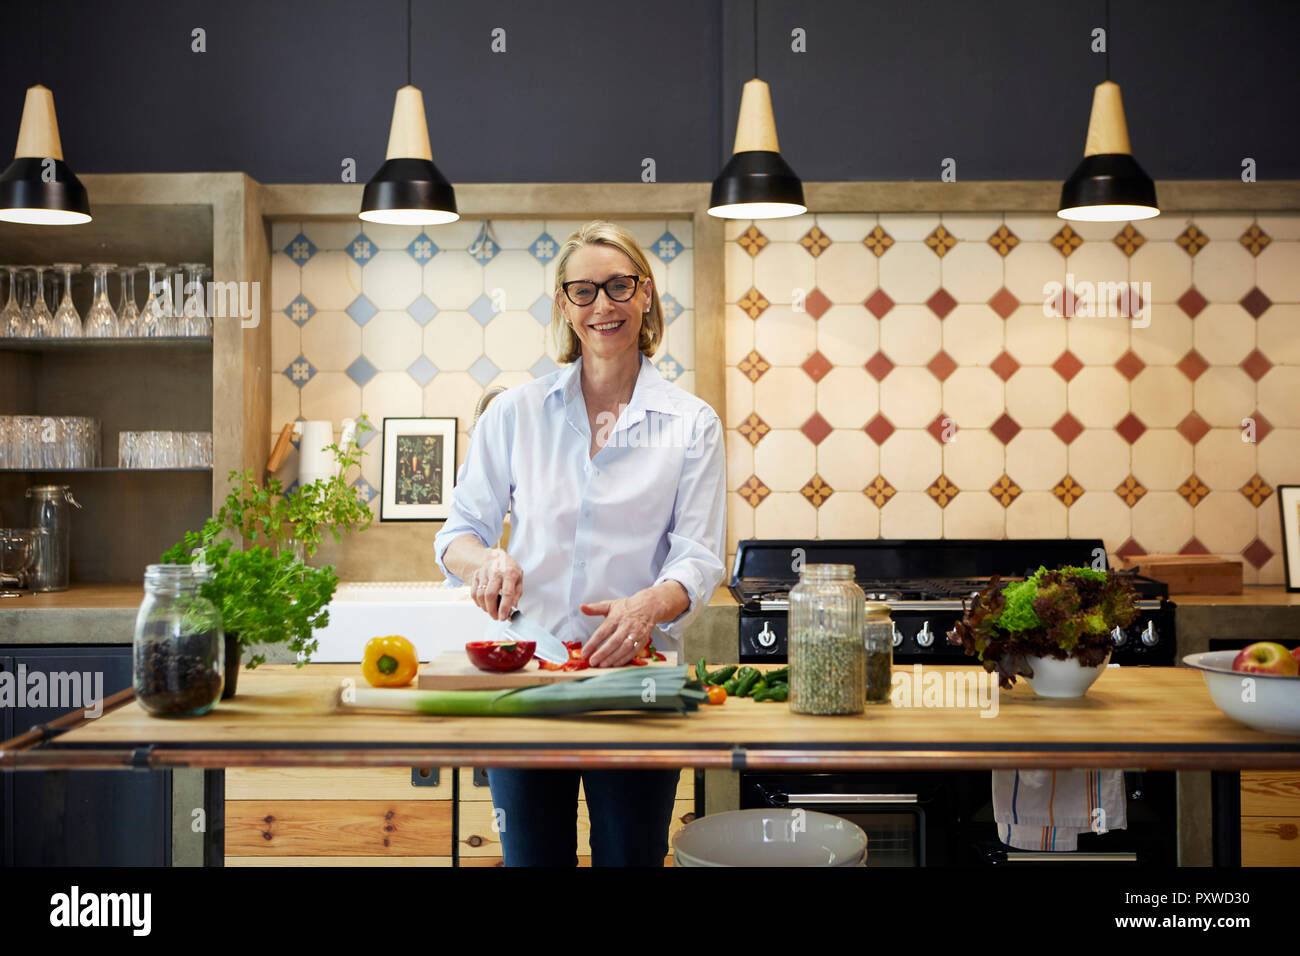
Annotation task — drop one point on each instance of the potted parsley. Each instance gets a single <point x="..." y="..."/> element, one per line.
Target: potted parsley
<point x="1053" y="628"/>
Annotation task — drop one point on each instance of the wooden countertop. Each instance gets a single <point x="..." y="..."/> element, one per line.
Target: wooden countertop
<point x="1152" y="718"/>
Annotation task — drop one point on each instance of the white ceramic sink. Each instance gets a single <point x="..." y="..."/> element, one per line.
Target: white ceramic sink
<point x="431" y="615"/>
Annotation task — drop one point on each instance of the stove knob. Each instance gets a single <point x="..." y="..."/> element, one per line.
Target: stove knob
<point x="925" y="636"/>
<point x="766" y="637"/>
<point x="898" y="635"/>
<point x="1118" y="636"/>
<point x="1149" y="636"/>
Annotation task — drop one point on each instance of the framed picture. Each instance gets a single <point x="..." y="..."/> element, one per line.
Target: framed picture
<point x="419" y="469"/>
<point x="1288" y="499"/>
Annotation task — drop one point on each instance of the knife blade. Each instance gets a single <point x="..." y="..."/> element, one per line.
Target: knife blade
<point x="549" y="647"/>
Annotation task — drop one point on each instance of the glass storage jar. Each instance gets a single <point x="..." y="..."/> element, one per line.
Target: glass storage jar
<point x="179" y="654"/>
<point x="826" y="651"/>
<point x="878" y="643"/>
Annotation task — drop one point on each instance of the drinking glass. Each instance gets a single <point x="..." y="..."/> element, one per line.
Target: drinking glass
<point x="194" y="319"/>
<point x="7" y="312"/>
<point x="128" y="315"/>
<point x="41" y="318"/>
<point x="6" y="441"/>
<point x="101" y="320"/>
<point x="67" y="323"/>
<point x="151" y="316"/>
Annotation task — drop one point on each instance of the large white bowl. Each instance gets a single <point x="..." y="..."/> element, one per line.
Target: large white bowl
<point x="1067" y="678"/>
<point x="1276" y="704"/>
<point x="770" y="838"/>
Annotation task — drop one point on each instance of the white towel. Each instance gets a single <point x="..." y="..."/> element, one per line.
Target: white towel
<point x="1048" y="809"/>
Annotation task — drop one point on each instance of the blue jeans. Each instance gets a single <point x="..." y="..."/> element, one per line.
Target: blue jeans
<point x="630" y="812"/>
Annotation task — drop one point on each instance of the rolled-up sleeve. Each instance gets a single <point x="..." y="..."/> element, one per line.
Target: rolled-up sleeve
<point x="483" y="487"/>
<point x="697" y="534"/>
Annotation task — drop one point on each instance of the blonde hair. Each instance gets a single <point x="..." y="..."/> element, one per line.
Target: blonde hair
<point x="600" y="232"/>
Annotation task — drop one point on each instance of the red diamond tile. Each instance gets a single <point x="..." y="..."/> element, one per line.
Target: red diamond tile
<point x="942" y="365"/>
<point x="1004" y="366"/>
<point x="1193" y="365"/>
<point x="1130" y="428"/>
<point x="1005" y="428"/>
<point x="941" y="303"/>
<point x="817" y="365"/>
<point x="1064" y="303"/>
<point x="878" y="429"/>
<point x="816" y="428"/>
<point x="816" y="303"/>
<point x="1067" y="365"/>
<point x="1257" y="553"/>
<point x="1129" y="301"/>
<point x="1193" y="427"/>
<point x="1256" y="365"/>
<point x="1129" y="365"/>
<point x="1067" y="428"/>
<point x="1194" y="546"/>
<point x="1256" y="302"/>
<point x="879" y="366"/>
<point x="1003" y="302"/>
<point x="1261" y="425"/>
<point x="1130" y="549"/>
<point x="879" y="303"/>
<point x="943" y="429"/>
<point x="1192" y="302"/>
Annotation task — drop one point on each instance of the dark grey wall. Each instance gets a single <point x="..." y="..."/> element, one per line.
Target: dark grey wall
<point x="587" y="88"/>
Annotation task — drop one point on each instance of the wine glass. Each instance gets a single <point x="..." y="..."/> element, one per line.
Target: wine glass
<point x="128" y="315"/>
<point x="196" y="320"/>
<point x="151" y="316"/>
<point x="67" y="323"/>
<point x="12" y="314"/>
<point x="42" y="320"/>
<point x="101" y="320"/>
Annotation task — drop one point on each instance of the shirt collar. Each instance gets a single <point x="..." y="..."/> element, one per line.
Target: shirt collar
<point x="649" y="394"/>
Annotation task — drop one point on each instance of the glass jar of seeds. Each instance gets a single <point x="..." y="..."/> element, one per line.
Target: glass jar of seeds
<point x="179" y="654"/>
<point x="878" y="642"/>
<point x="826" y="651"/>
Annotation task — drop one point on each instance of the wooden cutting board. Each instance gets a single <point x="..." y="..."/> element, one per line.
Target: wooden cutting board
<point x="451" y="670"/>
<point x="1189" y="573"/>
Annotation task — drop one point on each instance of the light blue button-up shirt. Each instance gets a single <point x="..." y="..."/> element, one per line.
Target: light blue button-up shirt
<point x="649" y="507"/>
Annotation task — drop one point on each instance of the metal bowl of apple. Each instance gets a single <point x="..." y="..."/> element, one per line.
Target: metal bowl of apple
<point x="1258" y="685"/>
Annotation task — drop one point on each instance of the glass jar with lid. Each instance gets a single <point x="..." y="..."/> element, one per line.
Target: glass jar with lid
<point x="179" y="653"/>
<point x="878" y="642"/>
<point x="826" y="650"/>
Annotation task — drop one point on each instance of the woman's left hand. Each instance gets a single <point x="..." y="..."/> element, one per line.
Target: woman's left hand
<point x="627" y="629"/>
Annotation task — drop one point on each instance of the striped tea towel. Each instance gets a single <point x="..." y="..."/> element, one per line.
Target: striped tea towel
<point x="1048" y="809"/>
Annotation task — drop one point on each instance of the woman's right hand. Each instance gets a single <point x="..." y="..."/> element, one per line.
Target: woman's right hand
<point x="497" y="584"/>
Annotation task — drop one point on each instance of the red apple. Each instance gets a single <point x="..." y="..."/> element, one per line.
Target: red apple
<point x="1266" y="657"/>
<point x="1295" y="652"/>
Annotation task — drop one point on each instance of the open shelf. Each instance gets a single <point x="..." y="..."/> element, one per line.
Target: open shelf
<point x="59" y="345"/>
<point x="91" y="471"/>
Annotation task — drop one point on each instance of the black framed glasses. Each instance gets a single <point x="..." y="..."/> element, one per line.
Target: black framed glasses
<point x="617" y="288"/>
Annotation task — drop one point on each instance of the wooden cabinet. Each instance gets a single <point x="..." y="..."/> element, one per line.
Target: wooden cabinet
<point x="1270" y="819"/>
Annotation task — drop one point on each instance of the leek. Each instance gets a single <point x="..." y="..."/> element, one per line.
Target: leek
<point x="633" y="688"/>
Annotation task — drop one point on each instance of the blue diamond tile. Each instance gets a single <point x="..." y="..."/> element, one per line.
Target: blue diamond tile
<point x="300" y="249"/>
<point x="300" y="310"/>
<point x="422" y="249"/>
<point x="292" y="489"/>
<point x="422" y="310"/>
<point x="544" y="248"/>
<point x="483" y="371"/>
<point x="362" y="310"/>
<point x="422" y="370"/>
<point x="671" y="307"/>
<point x="365" y="491"/>
<point x="543" y="366"/>
<point x="669" y="368"/>
<point x="361" y="371"/>
<point x="362" y="249"/>
<point x="366" y="434"/>
<point x="300" y="371"/>
<point x="482" y="309"/>
<point x="484" y="250"/>
<point x="541" y="309"/>
<point x="666" y="247"/>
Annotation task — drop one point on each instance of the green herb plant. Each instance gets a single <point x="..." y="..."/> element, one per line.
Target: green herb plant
<point x="1059" y="614"/>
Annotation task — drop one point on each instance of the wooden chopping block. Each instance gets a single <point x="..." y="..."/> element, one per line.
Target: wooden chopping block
<point x="1189" y="573"/>
<point x="451" y="670"/>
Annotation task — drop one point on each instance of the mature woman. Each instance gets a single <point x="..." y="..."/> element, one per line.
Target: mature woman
<point x="616" y="485"/>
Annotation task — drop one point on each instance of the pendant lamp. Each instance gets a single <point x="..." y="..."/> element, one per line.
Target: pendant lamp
<point x="39" y="187"/>
<point x="756" y="183"/>
<point x="409" y="189"/>
<point x="1109" y="185"/>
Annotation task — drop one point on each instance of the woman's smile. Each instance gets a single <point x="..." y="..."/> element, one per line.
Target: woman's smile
<point x="607" y="328"/>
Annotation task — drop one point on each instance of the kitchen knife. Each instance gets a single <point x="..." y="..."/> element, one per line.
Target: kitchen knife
<point x="549" y="647"/>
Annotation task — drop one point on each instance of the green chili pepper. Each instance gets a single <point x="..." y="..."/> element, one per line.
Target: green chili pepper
<point x="747" y="683"/>
<point x="701" y="671"/>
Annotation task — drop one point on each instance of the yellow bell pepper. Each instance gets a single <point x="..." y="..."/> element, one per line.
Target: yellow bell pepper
<point x="390" y="661"/>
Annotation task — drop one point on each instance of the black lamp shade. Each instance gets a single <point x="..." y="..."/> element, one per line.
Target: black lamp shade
<point x="756" y="178"/>
<point x="409" y="192"/>
<point x="1108" y="182"/>
<point x="27" y="197"/>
